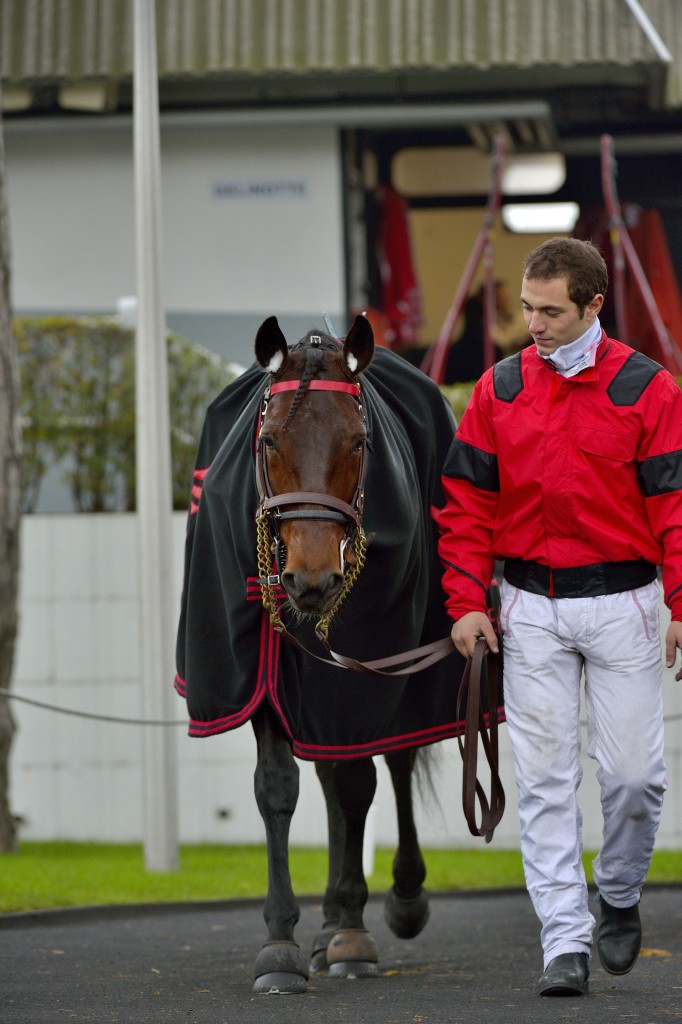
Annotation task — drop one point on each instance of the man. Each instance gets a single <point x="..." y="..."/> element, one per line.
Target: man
<point x="567" y="465"/>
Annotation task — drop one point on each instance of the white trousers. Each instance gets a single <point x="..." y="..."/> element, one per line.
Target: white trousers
<point x="548" y="643"/>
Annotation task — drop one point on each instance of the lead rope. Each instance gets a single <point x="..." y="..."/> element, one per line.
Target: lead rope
<point x="266" y="580"/>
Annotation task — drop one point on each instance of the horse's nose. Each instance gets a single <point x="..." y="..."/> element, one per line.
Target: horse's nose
<point x="312" y="596"/>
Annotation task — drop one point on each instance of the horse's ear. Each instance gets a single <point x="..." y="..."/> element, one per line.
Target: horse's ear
<point x="271" y="345"/>
<point x="358" y="348"/>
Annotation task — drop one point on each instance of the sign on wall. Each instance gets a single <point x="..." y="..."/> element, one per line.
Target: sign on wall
<point x="263" y="188"/>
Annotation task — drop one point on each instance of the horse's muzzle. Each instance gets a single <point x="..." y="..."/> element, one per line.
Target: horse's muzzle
<point x="312" y="597"/>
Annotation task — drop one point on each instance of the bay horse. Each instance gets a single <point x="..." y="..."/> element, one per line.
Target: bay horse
<point x="317" y="475"/>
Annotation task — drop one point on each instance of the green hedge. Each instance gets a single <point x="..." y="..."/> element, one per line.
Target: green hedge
<point x="77" y="408"/>
<point x="458" y="396"/>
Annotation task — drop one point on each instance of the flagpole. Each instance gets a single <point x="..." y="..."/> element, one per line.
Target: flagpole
<point x="153" y="463"/>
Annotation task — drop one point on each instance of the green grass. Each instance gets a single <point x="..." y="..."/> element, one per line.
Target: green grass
<point x="62" y="874"/>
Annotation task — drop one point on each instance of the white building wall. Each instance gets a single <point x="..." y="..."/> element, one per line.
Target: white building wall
<point x="252" y="224"/>
<point x="74" y="778"/>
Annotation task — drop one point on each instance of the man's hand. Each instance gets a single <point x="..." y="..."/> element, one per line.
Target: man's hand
<point x="673" y="643"/>
<point x="467" y="630"/>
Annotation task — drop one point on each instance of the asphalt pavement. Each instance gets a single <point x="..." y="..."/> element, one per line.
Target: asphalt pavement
<point x="477" y="961"/>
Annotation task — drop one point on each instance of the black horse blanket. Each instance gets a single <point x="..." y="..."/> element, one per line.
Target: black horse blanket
<point x="229" y="659"/>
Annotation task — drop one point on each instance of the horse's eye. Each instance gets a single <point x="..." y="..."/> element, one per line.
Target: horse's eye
<point x="267" y="440"/>
<point x="359" y="443"/>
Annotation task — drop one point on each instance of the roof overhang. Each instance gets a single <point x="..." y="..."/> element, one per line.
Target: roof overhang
<point x="76" y="55"/>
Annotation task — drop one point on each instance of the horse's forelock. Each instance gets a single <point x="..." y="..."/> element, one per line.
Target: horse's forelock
<point x="314" y="347"/>
<point x="322" y="340"/>
<point x="314" y="352"/>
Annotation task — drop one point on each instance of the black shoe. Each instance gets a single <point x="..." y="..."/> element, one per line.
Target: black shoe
<point x="619" y="936"/>
<point x="566" y="975"/>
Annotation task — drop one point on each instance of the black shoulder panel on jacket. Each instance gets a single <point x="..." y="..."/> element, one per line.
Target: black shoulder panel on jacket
<point x="507" y="378"/>
<point x="632" y="380"/>
<point x="465" y="462"/>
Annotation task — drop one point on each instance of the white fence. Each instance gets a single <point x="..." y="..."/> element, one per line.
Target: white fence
<point x="75" y="778"/>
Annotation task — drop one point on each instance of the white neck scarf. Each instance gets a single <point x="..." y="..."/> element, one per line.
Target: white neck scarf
<point x="577" y="355"/>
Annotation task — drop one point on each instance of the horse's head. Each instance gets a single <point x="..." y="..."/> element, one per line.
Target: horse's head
<point x="311" y="457"/>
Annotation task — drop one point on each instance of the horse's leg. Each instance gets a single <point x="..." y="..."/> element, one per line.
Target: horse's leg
<point x="280" y="965"/>
<point x="352" y="952"/>
<point x="336" y="835"/>
<point x="407" y="904"/>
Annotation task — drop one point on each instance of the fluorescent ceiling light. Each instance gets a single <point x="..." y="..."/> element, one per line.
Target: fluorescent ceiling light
<point x="540" y="218"/>
<point x="533" y="174"/>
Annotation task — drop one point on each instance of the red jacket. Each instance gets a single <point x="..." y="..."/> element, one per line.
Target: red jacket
<point x="565" y="472"/>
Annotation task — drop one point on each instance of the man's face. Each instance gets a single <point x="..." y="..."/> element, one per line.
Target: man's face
<point x="551" y="318"/>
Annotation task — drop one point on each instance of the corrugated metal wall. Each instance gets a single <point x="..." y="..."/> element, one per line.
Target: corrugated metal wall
<point x="65" y="39"/>
<point x="68" y="39"/>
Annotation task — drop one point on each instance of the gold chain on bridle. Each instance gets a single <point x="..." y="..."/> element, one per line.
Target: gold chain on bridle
<point x="264" y="566"/>
<point x="266" y="580"/>
<point x="349" y="578"/>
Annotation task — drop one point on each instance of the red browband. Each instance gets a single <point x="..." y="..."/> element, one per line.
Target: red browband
<point x="316" y="385"/>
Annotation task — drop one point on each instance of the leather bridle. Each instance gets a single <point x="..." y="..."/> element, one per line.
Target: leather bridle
<point x="279" y="508"/>
<point x="274" y="509"/>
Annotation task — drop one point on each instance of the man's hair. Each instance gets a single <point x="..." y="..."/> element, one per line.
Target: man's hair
<point x="579" y="262"/>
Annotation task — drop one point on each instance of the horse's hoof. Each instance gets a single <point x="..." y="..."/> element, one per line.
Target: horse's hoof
<point x="406" y="918"/>
<point x="352" y="953"/>
<point x="318" y="956"/>
<point x="280" y="968"/>
<point x="280" y="983"/>
<point x="354" y="969"/>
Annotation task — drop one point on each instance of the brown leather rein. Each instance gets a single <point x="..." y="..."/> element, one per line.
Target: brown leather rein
<point x="330" y="508"/>
<point x="477" y="723"/>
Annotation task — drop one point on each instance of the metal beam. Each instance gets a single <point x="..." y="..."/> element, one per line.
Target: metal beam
<point x="379" y="116"/>
<point x="647" y="27"/>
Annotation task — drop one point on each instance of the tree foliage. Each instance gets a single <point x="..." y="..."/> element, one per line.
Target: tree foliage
<point x="77" y="403"/>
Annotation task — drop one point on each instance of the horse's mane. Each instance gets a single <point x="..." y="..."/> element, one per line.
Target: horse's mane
<point x="313" y="365"/>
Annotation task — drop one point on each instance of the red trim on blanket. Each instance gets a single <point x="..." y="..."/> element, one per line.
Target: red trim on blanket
<point x="268" y="661"/>
<point x="273" y="679"/>
<point x="254" y="592"/>
<point x="316" y="752"/>
<point x="197" y="487"/>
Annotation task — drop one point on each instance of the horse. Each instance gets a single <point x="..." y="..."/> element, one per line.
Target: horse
<point x="311" y="512"/>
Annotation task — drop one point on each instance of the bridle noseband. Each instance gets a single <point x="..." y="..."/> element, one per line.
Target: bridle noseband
<point x="274" y="509"/>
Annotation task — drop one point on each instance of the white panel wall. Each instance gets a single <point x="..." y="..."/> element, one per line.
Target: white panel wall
<point x="74" y="778"/>
<point x="72" y="215"/>
<point x="72" y="218"/>
<point x="277" y="255"/>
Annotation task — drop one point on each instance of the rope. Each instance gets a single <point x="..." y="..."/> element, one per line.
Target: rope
<point x="91" y="714"/>
<point x="151" y="721"/>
